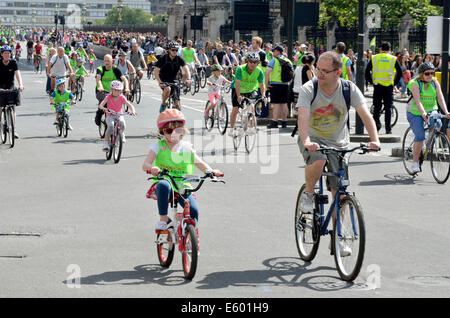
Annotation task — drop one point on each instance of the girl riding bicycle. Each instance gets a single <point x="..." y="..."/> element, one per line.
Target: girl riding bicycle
<point x="115" y="102"/>
<point x="215" y="81"/>
<point x="176" y="155"/>
<point x="425" y="91"/>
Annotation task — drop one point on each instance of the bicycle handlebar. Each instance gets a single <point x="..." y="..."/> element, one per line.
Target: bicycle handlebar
<point x="118" y="114"/>
<point x="365" y="149"/>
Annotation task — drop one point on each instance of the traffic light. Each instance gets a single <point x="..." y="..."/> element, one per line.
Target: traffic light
<point x="62" y="19"/>
<point x="56" y="19"/>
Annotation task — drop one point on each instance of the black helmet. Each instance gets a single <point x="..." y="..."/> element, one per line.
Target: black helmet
<point x="425" y="67"/>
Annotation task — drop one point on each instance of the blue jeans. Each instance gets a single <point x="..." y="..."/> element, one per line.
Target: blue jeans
<point x="402" y="85"/>
<point x="164" y="191"/>
<point x="416" y="123"/>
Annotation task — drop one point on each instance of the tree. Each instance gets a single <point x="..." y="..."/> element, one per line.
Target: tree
<point x="392" y="11"/>
<point x="129" y="17"/>
<point x="160" y="19"/>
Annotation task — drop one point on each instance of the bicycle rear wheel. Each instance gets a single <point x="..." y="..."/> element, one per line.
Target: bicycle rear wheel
<point x="190" y="252"/>
<point x="251" y="132"/>
<point x="407" y="150"/>
<point x="102" y="127"/>
<point x="165" y="249"/>
<point x="394" y="116"/>
<point x="79" y="91"/>
<point x="3" y="126"/>
<point x="238" y="132"/>
<point x="209" y="119"/>
<point x="307" y="236"/>
<point x="202" y="78"/>
<point x="222" y="119"/>
<point x="10" y="120"/>
<point x="65" y="126"/>
<point x="440" y="157"/>
<point x="117" y="147"/>
<point x="137" y="91"/>
<point x="349" y="247"/>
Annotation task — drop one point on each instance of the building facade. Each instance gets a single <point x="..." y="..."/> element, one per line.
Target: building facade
<point x="40" y="13"/>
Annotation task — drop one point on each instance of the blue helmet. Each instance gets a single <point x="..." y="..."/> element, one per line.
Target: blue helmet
<point x="60" y="81"/>
<point x="5" y="48"/>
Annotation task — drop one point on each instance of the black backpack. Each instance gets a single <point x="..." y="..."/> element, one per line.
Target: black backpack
<point x="345" y="91"/>
<point x="287" y="70"/>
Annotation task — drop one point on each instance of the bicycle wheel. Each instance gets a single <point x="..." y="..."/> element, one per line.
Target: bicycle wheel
<point x="193" y="87"/>
<point x="111" y="147"/>
<point x="307" y="233"/>
<point x="202" y="79"/>
<point x="102" y="127"/>
<point x="59" y="126"/>
<point x="440" y="157"/>
<point x="79" y="91"/>
<point x="209" y="120"/>
<point x="222" y="118"/>
<point x="137" y="92"/>
<point x="238" y="132"/>
<point x="197" y="83"/>
<point x="251" y="132"/>
<point x="227" y="88"/>
<point x="3" y="126"/>
<point x="65" y="126"/>
<point x="258" y="107"/>
<point x="349" y="247"/>
<point x="394" y="116"/>
<point x="10" y="120"/>
<point x="407" y="150"/>
<point x="165" y="248"/>
<point x="190" y="252"/>
<point x="117" y="147"/>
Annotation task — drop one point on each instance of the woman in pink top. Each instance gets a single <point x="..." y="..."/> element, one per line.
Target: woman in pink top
<point x="115" y="102"/>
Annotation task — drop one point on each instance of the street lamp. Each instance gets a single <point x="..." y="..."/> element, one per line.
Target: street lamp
<point x="56" y="17"/>
<point x="119" y="11"/>
<point x="83" y="13"/>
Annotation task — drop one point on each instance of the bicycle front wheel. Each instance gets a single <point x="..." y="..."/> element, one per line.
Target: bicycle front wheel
<point x="202" y="79"/>
<point x="307" y="233"/>
<point x="3" y="127"/>
<point x="79" y="91"/>
<point x="190" y="252"/>
<point x="222" y="120"/>
<point x="209" y="118"/>
<point x="440" y="157"/>
<point x="117" y="150"/>
<point x="137" y="92"/>
<point x="238" y="132"/>
<point x="66" y="126"/>
<point x="251" y="132"/>
<point x="10" y="119"/>
<point x="109" y="153"/>
<point x="407" y="150"/>
<point x="102" y="127"/>
<point x="349" y="244"/>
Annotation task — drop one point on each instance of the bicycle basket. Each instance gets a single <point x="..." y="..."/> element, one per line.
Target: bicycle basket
<point x="10" y="98"/>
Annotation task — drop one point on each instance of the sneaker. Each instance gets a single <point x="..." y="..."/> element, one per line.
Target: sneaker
<point x="273" y="124"/>
<point x="56" y="122"/>
<point x="283" y="124"/>
<point x="161" y="226"/>
<point x="344" y="250"/>
<point x="307" y="202"/>
<point x="232" y="132"/>
<point x="106" y="147"/>
<point x="16" y="135"/>
<point x="70" y="127"/>
<point x="124" y="140"/>
<point x="416" y="167"/>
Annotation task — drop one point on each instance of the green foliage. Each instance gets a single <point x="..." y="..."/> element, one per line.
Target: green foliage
<point x="392" y="11"/>
<point x="129" y="17"/>
<point x="160" y="19"/>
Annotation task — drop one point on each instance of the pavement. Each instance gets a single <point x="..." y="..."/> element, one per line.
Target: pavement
<point x="77" y="225"/>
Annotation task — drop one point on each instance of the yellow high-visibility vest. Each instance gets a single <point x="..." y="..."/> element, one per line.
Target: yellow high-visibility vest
<point x="383" y="69"/>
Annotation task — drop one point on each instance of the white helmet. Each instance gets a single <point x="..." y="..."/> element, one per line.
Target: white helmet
<point x="117" y="85"/>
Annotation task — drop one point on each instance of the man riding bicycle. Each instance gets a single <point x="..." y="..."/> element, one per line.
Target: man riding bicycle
<point x="58" y="66"/>
<point x="137" y="59"/>
<point x="166" y="71"/>
<point x="322" y="120"/>
<point x="190" y="56"/>
<point x="248" y="79"/>
<point x="37" y="53"/>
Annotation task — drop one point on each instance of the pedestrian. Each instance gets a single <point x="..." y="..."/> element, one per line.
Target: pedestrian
<point x="346" y="62"/>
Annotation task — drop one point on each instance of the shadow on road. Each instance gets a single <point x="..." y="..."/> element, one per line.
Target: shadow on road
<point x="86" y="161"/>
<point x="82" y="140"/>
<point x="142" y="274"/>
<point x="392" y="179"/>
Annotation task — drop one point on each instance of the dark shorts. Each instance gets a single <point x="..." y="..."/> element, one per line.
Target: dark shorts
<point x="234" y="100"/>
<point x="279" y="94"/>
<point x="177" y="90"/>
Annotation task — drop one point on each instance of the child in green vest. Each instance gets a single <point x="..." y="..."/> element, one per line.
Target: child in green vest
<point x="61" y="96"/>
<point x="80" y="72"/>
<point x="176" y="155"/>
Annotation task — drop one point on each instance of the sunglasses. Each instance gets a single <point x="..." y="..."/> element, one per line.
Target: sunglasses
<point x="169" y="131"/>
<point x="253" y="62"/>
<point x="428" y="73"/>
<point x="174" y="50"/>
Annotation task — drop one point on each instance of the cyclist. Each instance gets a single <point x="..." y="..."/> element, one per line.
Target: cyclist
<point x="220" y="55"/>
<point x="105" y="75"/>
<point x="322" y="120"/>
<point x="425" y="91"/>
<point x="79" y="72"/>
<point x="9" y="70"/>
<point x="215" y="81"/>
<point x="73" y="59"/>
<point x="190" y="56"/>
<point x="176" y="155"/>
<point x="137" y="59"/>
<point x="30" y="45"/>
<point x="125" y="66"/>
<point x="92" y="59"/>
<point x="248" y="79"/>
<point x="61" y="95"/>
<point x="58" y="66"/>
<point x="151" y="61"/>
<point x="114" y="102"/>
<point x="167" y="69"/>
<point x="203" y="59"/>
<point x="37" y="53"/>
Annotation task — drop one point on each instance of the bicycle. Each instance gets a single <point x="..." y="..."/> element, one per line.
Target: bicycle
<point x="102" y="127"/>
<point x="10" y="98"/>
<point x="349" y="231"/>
<point x="135" y="92"/>
<point x="202" y="76"/>
<point x="394" y="114"/>
<point x="246" y="124"/>
<point x="29" y="55"/>
<point x="171" y="101"/>
<point x="115" y="142"/>
<point x="78" y="91"/>
<point x="195" y="81"/>
<point x="38" y="64"/>
<point x="218" y="114"/>
<point x="62" y="124"/>
<point x="150" y="69"/>
<point x="181" y="228"/>
<point x="17" y="56"/>
<point x="436" y="149"/>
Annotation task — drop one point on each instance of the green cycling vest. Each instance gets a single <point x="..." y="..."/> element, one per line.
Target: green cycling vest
<point x="188" y="55"/>
<point x="178" y="164"/>
<point x="427" y="98"/>
<point x="345" y="60"/>
<point x="107" y="78"/>
<point x="249" y="82"/>
<point x="62" y="98"/>
<point x="275" y="75"/>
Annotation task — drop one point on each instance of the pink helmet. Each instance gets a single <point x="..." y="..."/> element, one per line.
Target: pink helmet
<point x="117" y="85"/>
<point x="168" y="116"/>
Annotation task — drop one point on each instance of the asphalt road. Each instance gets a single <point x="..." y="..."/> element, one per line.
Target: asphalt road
<point x="86" y="220"/>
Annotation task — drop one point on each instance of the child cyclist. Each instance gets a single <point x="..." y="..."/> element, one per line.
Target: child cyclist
<point x="176" y="155"/>
<point x="115" y="102"/>
<point x="215" y="81"/>
<point x="61" y="96"/>
<point x="80" y="72"/>
<point x="92" y="59"/>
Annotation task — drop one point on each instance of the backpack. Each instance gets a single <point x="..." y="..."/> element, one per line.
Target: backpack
<point x="345" y="84"/>
<point x="287" y="71"/>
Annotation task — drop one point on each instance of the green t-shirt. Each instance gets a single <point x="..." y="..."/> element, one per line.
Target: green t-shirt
<point x="249" y="82"/>
<point x="188" y="55"/>
<point x="427" y="98"/>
